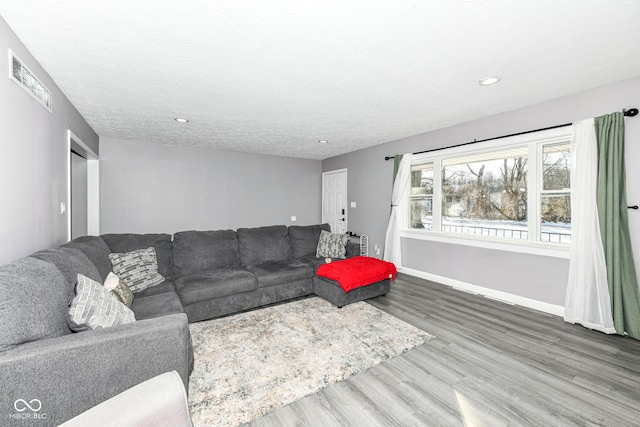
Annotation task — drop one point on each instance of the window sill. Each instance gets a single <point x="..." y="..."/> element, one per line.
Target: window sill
<point x="542" y="249"/>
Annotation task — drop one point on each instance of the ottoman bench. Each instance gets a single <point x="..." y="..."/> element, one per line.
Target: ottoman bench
<point x="354" y="279"/>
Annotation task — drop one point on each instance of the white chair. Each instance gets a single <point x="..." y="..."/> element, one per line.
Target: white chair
<point x="160" y="401"/>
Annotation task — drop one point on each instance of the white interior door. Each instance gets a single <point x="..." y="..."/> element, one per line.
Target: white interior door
<point x="334" y="200"/>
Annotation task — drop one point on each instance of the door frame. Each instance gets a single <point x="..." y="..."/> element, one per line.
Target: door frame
<point x="93" y="185"/>
<point x="346" y="199"/>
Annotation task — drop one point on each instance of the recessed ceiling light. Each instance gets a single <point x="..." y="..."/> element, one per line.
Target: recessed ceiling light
<point x="180" y="120"/>
<point x="488" y="81"/>
<point x="323" y="141"/>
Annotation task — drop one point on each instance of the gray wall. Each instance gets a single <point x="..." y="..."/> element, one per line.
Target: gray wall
<point x="33" y="158"/>
<point x="147" y="188"/>
<point x="544" y="278"/>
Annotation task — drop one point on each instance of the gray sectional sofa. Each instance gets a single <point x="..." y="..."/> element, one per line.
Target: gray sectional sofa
<point x="207" y="274"/>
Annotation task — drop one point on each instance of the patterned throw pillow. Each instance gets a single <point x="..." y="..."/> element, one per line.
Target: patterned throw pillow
<point x="118" y="289"/>
<point x="137" y="269"/>
<point x="123" y="294"/>
<point x="332" y="245"/>
<point x="94" y="308"/>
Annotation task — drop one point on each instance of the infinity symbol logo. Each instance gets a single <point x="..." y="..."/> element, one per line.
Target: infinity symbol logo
<point x="22" y="405"/>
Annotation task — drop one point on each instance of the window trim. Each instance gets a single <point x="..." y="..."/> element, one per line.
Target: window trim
<point x="535" y="143"/>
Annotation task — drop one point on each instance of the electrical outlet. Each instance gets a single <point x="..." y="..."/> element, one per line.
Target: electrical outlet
<point x="293" y="218"/>
<point x="63" y="208"/>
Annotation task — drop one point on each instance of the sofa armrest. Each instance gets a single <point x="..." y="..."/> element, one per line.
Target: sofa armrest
<point x="72" y="373"/>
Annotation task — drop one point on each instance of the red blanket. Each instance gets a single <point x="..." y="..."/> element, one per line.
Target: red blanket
<point x="358" y="271"/>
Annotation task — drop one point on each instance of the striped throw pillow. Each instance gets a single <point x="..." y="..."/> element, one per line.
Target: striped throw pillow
<point x="137" y="269"/>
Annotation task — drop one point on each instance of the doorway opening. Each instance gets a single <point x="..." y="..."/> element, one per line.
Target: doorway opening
<point x="83" y="197"/>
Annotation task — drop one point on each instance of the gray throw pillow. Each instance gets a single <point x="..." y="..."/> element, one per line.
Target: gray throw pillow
<point x="137" y="269"/>
<point x="332" y="245"/>
<point x="95" y="308"/>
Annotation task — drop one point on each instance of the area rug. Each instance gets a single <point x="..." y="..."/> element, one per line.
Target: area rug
<point x="253" y="363"/>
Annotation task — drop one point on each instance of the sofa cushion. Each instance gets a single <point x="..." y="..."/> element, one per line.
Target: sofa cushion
<point x="166" y="286"/>
<point x="33" y="302"/>
<point x="196" y="251"/>
<point x="263" y="244"/>
<point x="96" y="250"/>
<point x="95" y="308"/>
<point x="138" y="269"/>
<point x="214" y="284"/>
<point x="127" y="242"/>
<point x="313" y="261"/>
<point x="70" y="262"/>
<point x="281" y="272"/>
<point x="157" y="305"/>
<point x="332" y="245"/>
<point x="304" y="239"/>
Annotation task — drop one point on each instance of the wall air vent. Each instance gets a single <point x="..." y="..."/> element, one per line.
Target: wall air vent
<point x="23" y="77"/>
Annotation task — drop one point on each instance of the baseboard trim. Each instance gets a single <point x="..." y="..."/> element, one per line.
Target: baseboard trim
<point x="508" y="298"/>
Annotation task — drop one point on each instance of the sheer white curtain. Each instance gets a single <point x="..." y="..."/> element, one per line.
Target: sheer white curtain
<point x="587" y="300"/>
<point x="399" y="209"/>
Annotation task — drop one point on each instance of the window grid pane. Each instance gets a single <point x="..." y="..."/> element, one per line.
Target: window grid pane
<point x="555" y="195"/>
<point x="487" y="195"/>
<point x="421" y="204"/>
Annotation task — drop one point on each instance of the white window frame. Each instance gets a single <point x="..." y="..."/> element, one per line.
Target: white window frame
<point x="535" y="142"/>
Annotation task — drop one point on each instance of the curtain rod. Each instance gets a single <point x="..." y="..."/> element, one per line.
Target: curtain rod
<point x="627" y="113"/>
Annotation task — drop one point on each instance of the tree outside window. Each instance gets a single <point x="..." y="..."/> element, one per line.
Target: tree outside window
<point x="486" y="194"/>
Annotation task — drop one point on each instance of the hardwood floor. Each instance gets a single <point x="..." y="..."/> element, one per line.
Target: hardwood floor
<point x="491" y="364"/>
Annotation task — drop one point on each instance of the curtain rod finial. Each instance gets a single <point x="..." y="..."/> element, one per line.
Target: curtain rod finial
<point x="631" y="112"/>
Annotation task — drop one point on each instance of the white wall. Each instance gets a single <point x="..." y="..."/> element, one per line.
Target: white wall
<point x="539" y="278"/>
<point x="149" y="188"/>
<point x="33" y="158"/>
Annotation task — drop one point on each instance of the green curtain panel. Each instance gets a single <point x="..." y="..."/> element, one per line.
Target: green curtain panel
<point x="614" y="225"/>
<point x="396" y="165"/>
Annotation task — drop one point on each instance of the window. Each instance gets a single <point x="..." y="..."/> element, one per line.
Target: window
<point x="555" y="195"/>
<point x="421" y="198"/>
<point x="517" y="192"/>
<point x="22" y="76"/>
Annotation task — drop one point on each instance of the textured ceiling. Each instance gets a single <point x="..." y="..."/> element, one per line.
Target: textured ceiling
<point x="275" y="77"/>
